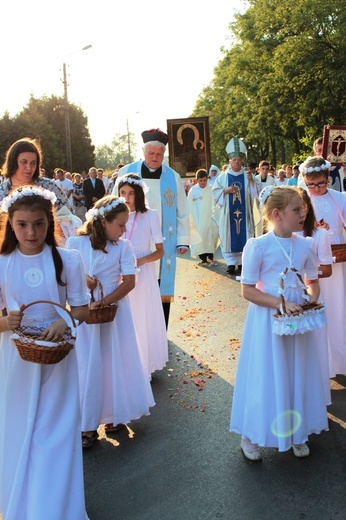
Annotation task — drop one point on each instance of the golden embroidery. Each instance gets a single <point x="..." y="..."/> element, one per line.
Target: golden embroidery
<point x="167" y="299"/>
<point x="237" y="221"/>
<point x="237" y="225"/>
<point x="169" y="197"/>
<point x="168" y="263"/>
<point x="237" y="194"/>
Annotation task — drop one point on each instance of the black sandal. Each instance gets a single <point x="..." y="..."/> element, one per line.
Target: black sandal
<point x="88" y="440"/>
<point x="110" y="428"/>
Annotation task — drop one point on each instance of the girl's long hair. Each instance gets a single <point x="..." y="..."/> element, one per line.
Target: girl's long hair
<point x="310" y="223"/>
<point x="94" y="229"/>
<point x="9" y="241"/>
<point x="140" y="205"/>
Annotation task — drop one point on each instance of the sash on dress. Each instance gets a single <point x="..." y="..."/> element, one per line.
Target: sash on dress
<point x="237" y="213"/>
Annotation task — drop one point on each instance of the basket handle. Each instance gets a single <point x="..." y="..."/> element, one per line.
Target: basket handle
<point x="53" y="303"/>
<point x="101" y="291"/>
<point x="282" y="285"/>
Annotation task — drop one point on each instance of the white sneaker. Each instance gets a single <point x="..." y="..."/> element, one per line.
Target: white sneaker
<point x="301" y="450"/>
<point x="250" y="451"/>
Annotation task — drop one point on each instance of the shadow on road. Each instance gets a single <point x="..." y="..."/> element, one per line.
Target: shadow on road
<point x="181" y="462"/>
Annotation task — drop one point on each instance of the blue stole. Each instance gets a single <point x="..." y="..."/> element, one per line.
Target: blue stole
<point x="237" y="213"/>
<point x="168" y="188"/>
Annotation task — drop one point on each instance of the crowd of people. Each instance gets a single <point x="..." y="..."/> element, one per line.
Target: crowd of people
<point x="85" y="241"/>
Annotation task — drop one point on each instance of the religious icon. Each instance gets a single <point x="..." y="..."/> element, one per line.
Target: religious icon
<point x="334" y="144"/>
<point x="189" y="145"/>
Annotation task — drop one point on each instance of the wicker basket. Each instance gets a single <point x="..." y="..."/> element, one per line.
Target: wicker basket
<point x="312" y="317"/>
<point x="28" y="348"/>
<point x="339" y="252"/>
<point x="103" y="314"/>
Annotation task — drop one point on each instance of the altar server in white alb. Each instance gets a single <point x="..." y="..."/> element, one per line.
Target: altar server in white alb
<point x="234" y="194"/>
<point x="201" y="204"/>
<point x="167" y="195"/>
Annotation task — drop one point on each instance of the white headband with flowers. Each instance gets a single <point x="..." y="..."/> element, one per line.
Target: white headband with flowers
<point x="95" y="213"/>
<point x="130" y="180"/>
<point x="265" y="193"/>
<point x="27" y="191"/>
<point x="325" y="166"/>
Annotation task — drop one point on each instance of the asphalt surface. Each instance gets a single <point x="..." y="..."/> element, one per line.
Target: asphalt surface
<point x="181" y="462"/>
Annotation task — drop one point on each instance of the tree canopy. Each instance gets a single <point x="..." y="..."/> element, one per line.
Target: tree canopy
<point x="121" y="151"/>
<point x="281" y="80"/>
<point x="44" y="119"/>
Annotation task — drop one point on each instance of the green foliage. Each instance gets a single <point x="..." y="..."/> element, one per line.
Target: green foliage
<point x="281" y="81"/>
<point x="121" y="150"/>
<point x="44" y="119"/>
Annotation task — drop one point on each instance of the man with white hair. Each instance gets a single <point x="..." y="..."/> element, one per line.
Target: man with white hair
<point x="166" y="194"/>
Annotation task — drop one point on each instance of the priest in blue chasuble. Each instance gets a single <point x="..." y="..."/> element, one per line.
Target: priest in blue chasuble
<point x="234" y="193"/>
<point x="166" y="194"/>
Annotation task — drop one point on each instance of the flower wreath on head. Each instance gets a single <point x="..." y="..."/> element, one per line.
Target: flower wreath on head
<point x="95" y="213"/>
<point x="265" y="193"/>
<point x="322" y="167"/>
<point x="26" y="191"/>
<point x="129" y="180"/>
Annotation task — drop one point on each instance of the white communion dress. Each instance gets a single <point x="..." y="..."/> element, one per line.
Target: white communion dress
<point x="278" y="396"/>
<point x="144" y="230"/>
<point x="331" y="207"/>
<point x="114" y="385"/>
<point x="41" y="466"/>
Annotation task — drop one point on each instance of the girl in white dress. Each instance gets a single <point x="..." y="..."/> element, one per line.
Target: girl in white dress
<point x="114" y="386"/>
<point x="41" y="467"/>
<point x="278" y="396"/>
<point x="323" y="250"/>
<point x="330" y="211"/>
<point x="144" y="233"/>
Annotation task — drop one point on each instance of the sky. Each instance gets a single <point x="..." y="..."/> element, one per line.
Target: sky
<point x="148" y="61"/>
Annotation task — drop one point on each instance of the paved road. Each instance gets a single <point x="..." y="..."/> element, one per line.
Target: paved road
<point x="181" y="462"/>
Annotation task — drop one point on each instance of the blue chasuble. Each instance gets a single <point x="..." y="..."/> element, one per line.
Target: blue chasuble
<point x="237" y="213"/>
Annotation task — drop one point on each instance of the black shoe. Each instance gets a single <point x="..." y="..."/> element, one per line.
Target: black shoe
<point x="230" y="269"/>
<point x="239" y="268"/>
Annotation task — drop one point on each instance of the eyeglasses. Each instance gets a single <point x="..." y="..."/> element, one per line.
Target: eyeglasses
<point x="318" y="185"/>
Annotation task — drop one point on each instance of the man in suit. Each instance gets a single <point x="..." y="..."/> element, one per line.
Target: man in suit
<point x="93" y="188"/>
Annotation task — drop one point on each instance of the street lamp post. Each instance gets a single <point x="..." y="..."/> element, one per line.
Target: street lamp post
<point x="128" y="140"/>
<point x="67" y="113"/>
<point x="67" y="123"/>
